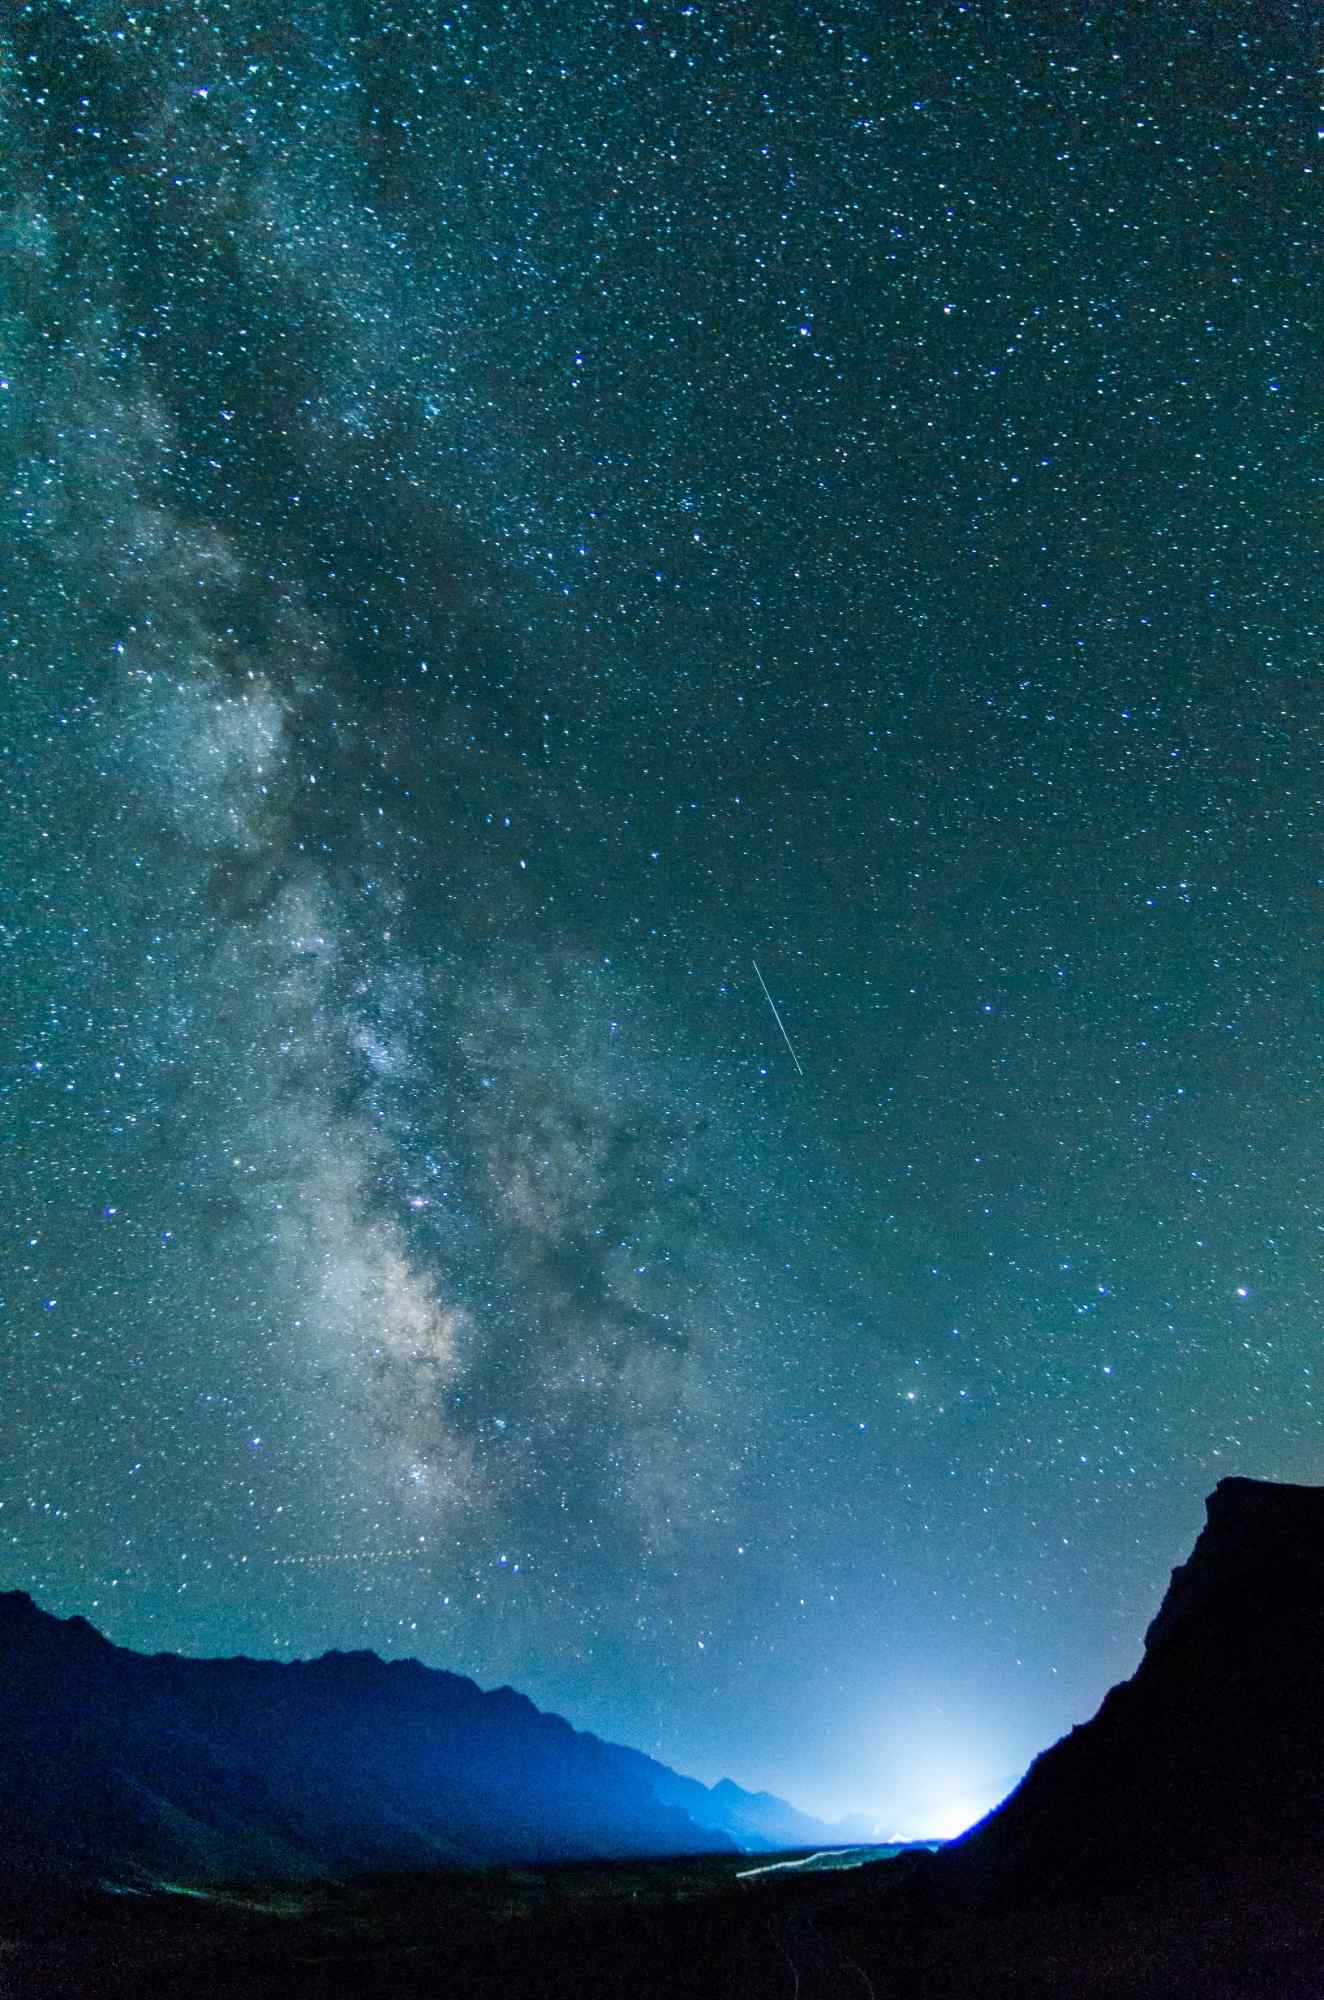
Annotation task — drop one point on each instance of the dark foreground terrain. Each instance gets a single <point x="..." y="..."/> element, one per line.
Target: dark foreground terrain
<point x="1172" y="1848"/>
<point x="679" y="1928"/>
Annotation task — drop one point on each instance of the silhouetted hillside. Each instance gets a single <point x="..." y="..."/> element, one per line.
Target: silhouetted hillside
<point x="122" y="1766"/>
<point x="1214" y="1746"/>
<point x="1167" y="1850"/>
<point x="1172" y="1845"/>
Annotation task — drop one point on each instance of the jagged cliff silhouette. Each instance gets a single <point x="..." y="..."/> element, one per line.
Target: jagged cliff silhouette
<point x="1172" y="1848"/>
<point x="1214" y="1746"/>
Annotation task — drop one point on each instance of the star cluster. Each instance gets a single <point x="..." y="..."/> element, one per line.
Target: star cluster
<point x="514" y="516"/>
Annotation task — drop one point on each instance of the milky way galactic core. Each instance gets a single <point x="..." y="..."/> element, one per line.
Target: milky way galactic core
<point x="524" y="525"/>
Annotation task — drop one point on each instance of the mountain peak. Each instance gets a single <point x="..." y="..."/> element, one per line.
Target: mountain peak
<point x="1261" y="1542"/>
<point x="21" y="1613"/>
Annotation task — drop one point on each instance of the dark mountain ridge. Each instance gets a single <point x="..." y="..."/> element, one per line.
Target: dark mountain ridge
<point x="126" y="1766"/>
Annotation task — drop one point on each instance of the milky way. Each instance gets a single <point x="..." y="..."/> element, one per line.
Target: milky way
<point x="515" y="518"/>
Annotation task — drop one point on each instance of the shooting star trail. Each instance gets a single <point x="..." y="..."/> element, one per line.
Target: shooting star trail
<point x="775" y="1015"/>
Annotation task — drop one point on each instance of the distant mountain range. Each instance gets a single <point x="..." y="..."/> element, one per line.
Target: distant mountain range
<point x="123" y="1767"/>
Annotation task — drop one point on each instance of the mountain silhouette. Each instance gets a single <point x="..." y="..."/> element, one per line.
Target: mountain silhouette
<point x="1168" y="1849"/>
<point x="1214" y="1743"/>
<point x="1170" y="1845"/>
<point x="124" y="1767"/>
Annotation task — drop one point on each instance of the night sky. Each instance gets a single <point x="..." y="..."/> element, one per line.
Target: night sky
<point x="516" y="514"/>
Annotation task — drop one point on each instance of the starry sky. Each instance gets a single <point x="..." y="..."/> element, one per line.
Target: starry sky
<point x="517" y="515"/>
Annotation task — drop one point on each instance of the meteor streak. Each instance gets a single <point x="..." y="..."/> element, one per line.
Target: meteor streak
<point x="775" y="1015"/>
